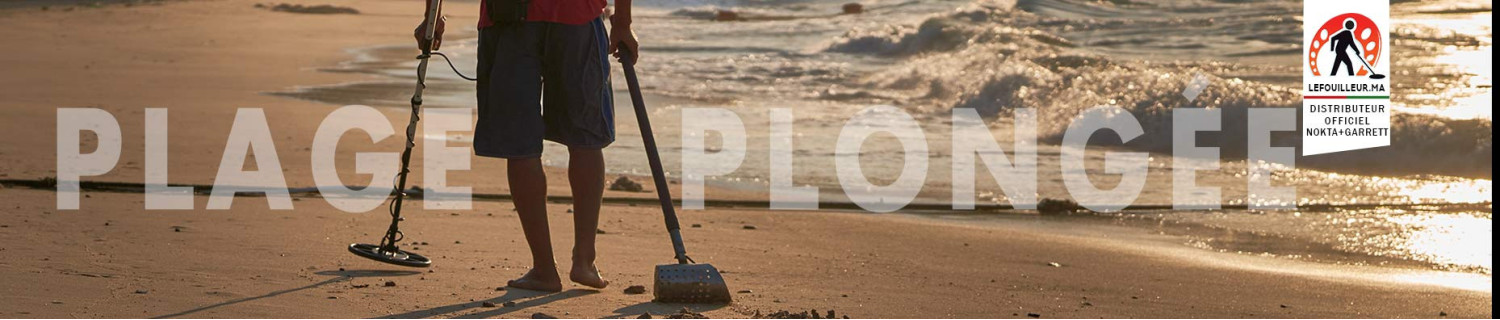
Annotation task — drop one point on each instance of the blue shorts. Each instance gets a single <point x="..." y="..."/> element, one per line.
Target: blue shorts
<point x="543" y="80"/>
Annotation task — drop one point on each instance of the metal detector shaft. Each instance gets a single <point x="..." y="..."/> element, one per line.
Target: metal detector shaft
<point x="1366" y="63"/>
<point x="1369" y="67"/>
<point x="665" y="195"/>
<point x="433" y="11"/>
<point x="1360" y="56"/>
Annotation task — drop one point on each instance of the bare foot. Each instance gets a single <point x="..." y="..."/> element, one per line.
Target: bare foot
<point x="538" y="280"/>
<point x="589" y="276"/>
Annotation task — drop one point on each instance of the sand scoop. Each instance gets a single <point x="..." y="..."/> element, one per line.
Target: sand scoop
<point x="685" y="281"/>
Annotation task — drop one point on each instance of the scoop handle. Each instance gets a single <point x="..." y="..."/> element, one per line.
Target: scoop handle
<point x="668" y="213"/>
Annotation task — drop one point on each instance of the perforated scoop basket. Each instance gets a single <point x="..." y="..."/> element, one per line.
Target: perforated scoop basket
<point x="690" y="283"/>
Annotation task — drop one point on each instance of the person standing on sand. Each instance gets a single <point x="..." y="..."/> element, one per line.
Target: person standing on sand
<point x="544" y="75"/>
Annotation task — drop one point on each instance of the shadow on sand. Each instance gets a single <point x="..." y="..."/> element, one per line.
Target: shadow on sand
<point x="339" y="276"/>
<point x="526" y="299"/>
<point x="523" y="299"/>
<point x="658" y="309"/>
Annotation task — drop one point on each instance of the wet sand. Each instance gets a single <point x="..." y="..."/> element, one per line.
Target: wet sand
<point x="254" y="262"/>
<point x="202" y="60"/>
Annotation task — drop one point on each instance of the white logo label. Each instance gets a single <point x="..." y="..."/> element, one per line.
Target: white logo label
<point x="1346" y="96"/>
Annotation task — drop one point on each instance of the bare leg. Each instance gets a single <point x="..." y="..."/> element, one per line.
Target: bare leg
<point x="528" y="189"/>
<point x="586" y="177"/>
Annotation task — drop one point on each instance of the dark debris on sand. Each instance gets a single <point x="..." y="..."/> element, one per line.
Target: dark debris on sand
<point x="625" y="184"/>
<point x="636" y="289"/>
<point x="727" y="15"/>
<point x="853" y="8"/>
<point x="686" y="313"/>
<point x="1051" y="206"/>
<point x="809" y="314"/>
<point x="308" y="9"/>
<point x="540" y="315"/>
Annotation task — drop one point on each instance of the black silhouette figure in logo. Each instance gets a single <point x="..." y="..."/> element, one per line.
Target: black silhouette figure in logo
<point x="1340" y="44"/>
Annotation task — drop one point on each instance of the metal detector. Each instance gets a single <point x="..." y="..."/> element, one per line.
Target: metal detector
<point x="389" y="250"/>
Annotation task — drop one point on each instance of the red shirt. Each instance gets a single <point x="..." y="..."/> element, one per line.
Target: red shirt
<point x="559" y="11"/>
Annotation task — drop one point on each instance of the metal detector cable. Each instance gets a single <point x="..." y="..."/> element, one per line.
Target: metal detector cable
<point x="393" y="234"/>
<point x="450" y="66"/>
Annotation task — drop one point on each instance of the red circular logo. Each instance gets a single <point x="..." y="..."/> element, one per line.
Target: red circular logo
<point x="1337" y="39"/>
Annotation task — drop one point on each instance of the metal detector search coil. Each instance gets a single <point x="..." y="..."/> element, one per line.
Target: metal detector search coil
<point x="397" y="257"/>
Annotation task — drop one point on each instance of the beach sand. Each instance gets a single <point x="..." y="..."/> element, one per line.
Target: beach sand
<point x="203" y="60"/>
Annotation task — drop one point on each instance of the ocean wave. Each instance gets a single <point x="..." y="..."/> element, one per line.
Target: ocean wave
<point x="995" y="60"/>
<point x="745" y="13"/>
<point x="1436" y="38"/>
<point x="1402" y="7"/>
<point x="943" y="33"/>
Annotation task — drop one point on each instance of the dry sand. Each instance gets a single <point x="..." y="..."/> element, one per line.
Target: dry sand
<point x="204" y="59"/>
